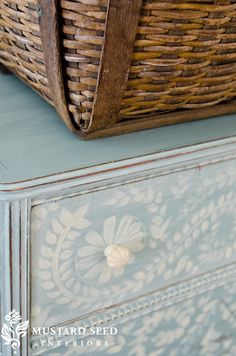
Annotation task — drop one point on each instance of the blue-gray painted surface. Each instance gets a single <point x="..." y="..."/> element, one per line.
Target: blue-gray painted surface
<point x="35" y="143"/>
<point x="175" y="205"/>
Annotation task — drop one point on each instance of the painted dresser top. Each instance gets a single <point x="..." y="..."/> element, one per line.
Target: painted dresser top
<point x="35" y="143"/>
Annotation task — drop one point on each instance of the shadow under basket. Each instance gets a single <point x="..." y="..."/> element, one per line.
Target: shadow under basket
<point x="116" y="66"/>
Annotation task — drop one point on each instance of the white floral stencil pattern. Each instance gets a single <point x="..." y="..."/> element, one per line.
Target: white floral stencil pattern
<point x="91" y="262"/>
<point x="175" y="226"/>
<point x="202" y="326"/>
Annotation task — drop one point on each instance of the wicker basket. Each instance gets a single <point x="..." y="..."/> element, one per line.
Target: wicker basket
<point x="114" y="66"/>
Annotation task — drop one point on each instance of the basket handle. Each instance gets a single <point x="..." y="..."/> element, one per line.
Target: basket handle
<point x="121" y="29"/>
<point x="49" y="26"/>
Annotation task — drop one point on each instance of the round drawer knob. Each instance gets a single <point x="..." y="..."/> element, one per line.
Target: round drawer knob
<point x="117" y="256"/>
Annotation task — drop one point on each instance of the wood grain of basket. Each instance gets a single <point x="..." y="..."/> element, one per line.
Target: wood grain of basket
<point x="115" y="66"/>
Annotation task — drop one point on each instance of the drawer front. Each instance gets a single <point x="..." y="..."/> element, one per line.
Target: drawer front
<point x="107" y="246"/>
<point x="203" y="325"/>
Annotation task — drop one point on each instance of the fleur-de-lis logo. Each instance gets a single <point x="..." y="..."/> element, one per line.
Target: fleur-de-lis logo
<point x="13" y="330"/>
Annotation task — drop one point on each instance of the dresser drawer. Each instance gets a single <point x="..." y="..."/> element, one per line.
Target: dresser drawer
<point x="204" y="324"/>
<point x="116" y="243"/>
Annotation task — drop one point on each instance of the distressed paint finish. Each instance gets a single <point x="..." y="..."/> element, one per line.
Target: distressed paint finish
<point x="133" y="310"/>
<point x="168" y="191"/>
<point x="15" y="265"/>
<point x="202" y="325"/>
<point x="143" y="195"/>
<point x="176" y="226"/>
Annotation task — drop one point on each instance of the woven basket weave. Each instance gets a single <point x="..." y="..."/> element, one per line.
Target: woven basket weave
<point x="114" y="66"/>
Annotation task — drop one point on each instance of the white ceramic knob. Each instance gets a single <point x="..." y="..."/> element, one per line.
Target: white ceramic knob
<point x="117" y="256"/>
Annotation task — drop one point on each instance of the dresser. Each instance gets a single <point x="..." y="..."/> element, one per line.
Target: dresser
<point x="123" y="245"/>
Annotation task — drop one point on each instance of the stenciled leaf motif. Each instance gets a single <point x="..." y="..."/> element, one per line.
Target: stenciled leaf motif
<point x="66" y="276"/>
<point x="6" y="334"/>
<point x="83" y="210"/>
<point x="47" y="251"/>
<point x="65" y="265"/>
<point x="57" y="228"/>
<point x="66" y="254"/>
<point x="72" y="235"/>
<point x="65" y="217"/>
<point x="79" y="222"/>
<point x="40" y="212"/>
<point x="171" y="238"/>
<point x="44" y="264"/>
<point x="67" y="244"/>
<point x="21" y="329"/>
<point x="51" y="238"/>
